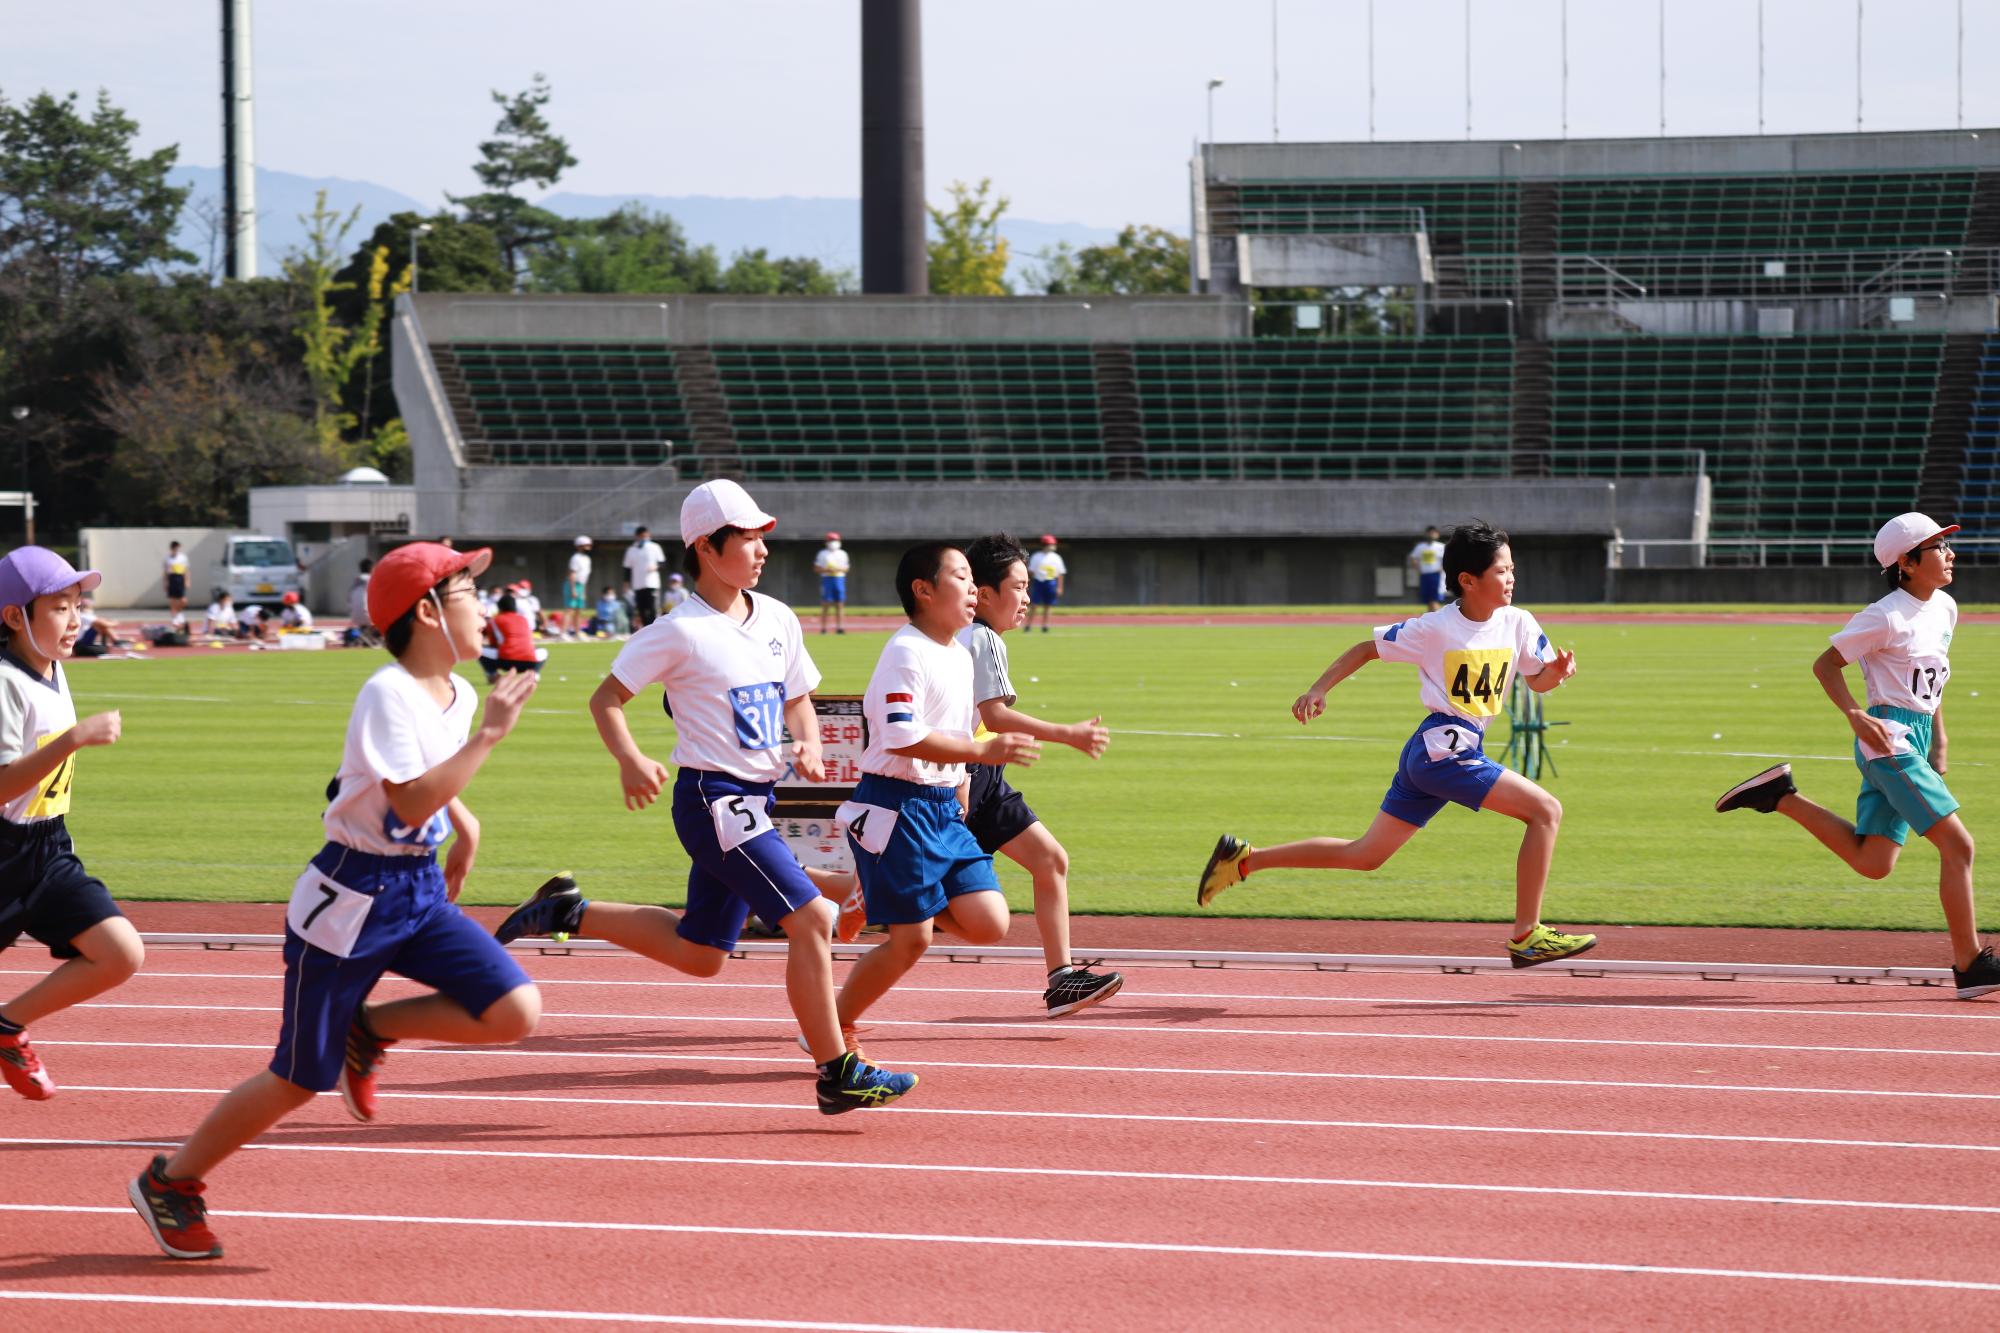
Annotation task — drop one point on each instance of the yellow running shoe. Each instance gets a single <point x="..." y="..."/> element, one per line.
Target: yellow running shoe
<point x="1545" y="946"/>
<point x="1225" y="867"/>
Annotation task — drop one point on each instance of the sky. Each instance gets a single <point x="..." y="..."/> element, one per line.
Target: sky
<point x="1079" y="110"/>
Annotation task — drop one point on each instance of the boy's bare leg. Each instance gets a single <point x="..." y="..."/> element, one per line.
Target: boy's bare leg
<point x="809" y="977"/>
<point x="256" y="1105"/>
<point x="882" y="967"/>
<point x="1518" y="798"/>
<point x="1036" y="851"/>
<point x="976" y="918"/>
<point x="1954" y="843"/>
<point x="651" y="932"/>
<point x="110" y="953"/>
<point x="436" y="1017"/>
<point x="1384" y="838"/>
<point x="1870" y="855"/>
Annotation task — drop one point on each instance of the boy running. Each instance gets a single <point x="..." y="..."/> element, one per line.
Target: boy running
<point x="1901" y="642"/>
<point x="737" y="677"/>
<point x="1464" y="654"/>
<point x="375" y="900"/>
<point x="44" y="890"/>
<point x="919" y="864"/>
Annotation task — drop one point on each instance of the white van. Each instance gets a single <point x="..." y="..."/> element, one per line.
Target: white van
<point x="261" y="570"/>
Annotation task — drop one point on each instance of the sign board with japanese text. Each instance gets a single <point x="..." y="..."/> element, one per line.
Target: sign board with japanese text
<point x="805" y="813"/>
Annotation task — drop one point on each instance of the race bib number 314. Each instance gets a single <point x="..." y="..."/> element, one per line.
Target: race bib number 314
<point x="1476" y="679"/>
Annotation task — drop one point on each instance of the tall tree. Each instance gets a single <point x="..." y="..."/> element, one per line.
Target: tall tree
<point x="522" y="151"/>
<point x="1143" y="261"/>
<point x="333" y="349"/>
<point x="630" y="250"/>
<point x="969" y="256"/>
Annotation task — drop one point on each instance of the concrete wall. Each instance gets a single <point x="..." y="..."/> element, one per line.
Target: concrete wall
<point x="132" y="561"/>
<point x="1849" y="585"/>
<point x="1718" y="318"/>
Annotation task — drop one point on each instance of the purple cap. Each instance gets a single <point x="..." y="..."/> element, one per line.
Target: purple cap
<point x="28" y="572"/>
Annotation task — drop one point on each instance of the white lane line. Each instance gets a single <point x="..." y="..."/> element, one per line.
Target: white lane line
<point x="1074" y="1243"/>
<point x="1203" y="1030"/>
<point x="465" y="1311"/>
<point x="1072" y="1173"/>
<point x="1116" y="1117"/>
<point x="788" y="1061"/>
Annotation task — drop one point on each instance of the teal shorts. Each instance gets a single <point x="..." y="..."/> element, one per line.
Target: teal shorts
<point x="1902" y="792"/>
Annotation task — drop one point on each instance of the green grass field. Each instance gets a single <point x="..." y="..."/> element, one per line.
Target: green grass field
<point x="215" y="790"/>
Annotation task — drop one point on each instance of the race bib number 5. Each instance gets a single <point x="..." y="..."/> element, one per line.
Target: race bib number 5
<point x="327" y="915"/>
<point x="739" y="819"/>
<point x="869" y="825"/>
<point x="1476" y="679"/>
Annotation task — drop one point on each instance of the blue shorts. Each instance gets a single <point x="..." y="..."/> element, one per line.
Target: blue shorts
<point x="1901" y="792"/>
<point x="1436" y="770"/>
<point x="413" y="929"/>
<point x="1042" y="592"/>
<point x="760" y="875"/>
<point x="833" y="587"/>
<point x="931" y="856"/>
<point x="44" y="890"/>
<point x="1430" y="587"/>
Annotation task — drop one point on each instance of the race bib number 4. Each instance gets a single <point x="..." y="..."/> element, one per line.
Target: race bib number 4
<point x="739" y="819"/>
<point x="327" y="915"/>
<point x="869" y="825"/>
<point x="1476" y="679"/>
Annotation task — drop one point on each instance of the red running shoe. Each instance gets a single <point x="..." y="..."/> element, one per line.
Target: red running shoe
<point x="174" y="1213"/>
<point x="365" y="1054"/>
<point x="853" y="916"/>
<point x="23" y="1068"/>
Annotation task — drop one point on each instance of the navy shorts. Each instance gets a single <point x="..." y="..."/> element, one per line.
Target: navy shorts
<point x="413" y="930"/>
<point x="930" y="858"/>
<point x="1042" y="592"/>
<point x="44" y="890"/>
<point x="998" y="814"/>
<point x="833" y="587"/>
<point x="1444" y="761"/>
<point x="1430" y="587"/>
<point x="758" y="875"/>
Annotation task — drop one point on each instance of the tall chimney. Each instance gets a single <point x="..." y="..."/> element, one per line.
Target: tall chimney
<point x="239" y="150"/>
<point x="893" y="257"/>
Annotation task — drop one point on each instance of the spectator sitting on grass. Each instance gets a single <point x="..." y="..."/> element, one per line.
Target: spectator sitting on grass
<point x="611" y="618"/>
<point x="222" y="621"/>
<point x="295" y="615"/>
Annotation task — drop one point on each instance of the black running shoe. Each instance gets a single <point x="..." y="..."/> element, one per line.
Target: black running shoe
<point x="554" y="909"/>
<point x="1077" y="987"/>
<point x="1982" y="978"/>
<point x="854" y="1084"/>
<point x="1761" y="793"/>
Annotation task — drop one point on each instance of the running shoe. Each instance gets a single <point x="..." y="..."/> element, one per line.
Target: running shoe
<point x="1545" y="946"/>
<point x="853" y="915"/>
<point x="365" y="1054"/>
<point x="554" y="909"/>
<point x="854" y="1085"/>
<point x="174" y="1212"/>
<point x="1981" y="978"/>
<point x="1761" y="793"/>
<point x="847" y="1038"/>
<point x="1225" y="867"/>
<point x="1077" y="987"/>
<point x="23" y="1068"/>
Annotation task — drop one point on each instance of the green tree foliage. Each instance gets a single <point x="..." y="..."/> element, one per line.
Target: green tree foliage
<point x="638" y="251"/>
<point x="522" y="151"/>
<point x="755" y="273"/>
<point x="453" y="256"/>
<point x="969" y="256"/>
<point x="1143" y="261"/>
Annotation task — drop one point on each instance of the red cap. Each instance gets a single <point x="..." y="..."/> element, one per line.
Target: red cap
<point x="1047" y="540"/>
<point x="291" y="599"/>
<point x="402" y="577"/>
<point x="833" y="536"/>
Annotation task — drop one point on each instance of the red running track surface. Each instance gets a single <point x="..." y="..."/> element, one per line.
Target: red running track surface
<point x="1276" y="1148"/>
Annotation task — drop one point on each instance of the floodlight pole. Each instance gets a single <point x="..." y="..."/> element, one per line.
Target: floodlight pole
<point x="422" y="229"/>
<point x="1213" y="84"/>
<point x="20" y="415"/>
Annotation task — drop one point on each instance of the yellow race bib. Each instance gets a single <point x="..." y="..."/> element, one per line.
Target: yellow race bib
<point x="1476" y="679"/>
<point x="52" y="795"/>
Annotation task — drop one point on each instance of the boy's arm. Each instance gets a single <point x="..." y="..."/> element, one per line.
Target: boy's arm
<point x="1554" y="672"/>
<point x="423" y="796"/>
<point x="1829" y="669"/>
<point x="1009" y="747"/>
<point x="1937" y="739"/>
<point x="803" y="723"/>
<point x="25" y="773"/>
<point x="1090" y="737"/>
<point x="464" y="847"/>
<point x="641" y="777"/>
<point x="1313" y="702"/>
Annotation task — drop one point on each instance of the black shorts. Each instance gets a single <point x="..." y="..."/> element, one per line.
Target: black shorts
<point x="45" y="891"/>
<point x="996" y="813"/>
<point x="647" y="602"/>
<point x="177" y="585"/>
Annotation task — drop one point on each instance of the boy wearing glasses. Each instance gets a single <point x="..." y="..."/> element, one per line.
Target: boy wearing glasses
<point x="1901" y="644"/>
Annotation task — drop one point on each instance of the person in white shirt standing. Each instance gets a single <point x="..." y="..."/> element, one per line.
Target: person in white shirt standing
<point x="643" y="559"/>
<point x="1902" y="644"/>
<point x="1046" y="576"/>
<point x="174" y="578"/>
<point x="737" y="677"/>
<point x="576" y="591"/>
<point x="1427" y="558"/>
<point x="831" y="564"/>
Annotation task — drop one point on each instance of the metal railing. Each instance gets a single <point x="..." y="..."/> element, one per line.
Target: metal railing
<point x="1765" y="552"/>
<point x="1593" y="277"/>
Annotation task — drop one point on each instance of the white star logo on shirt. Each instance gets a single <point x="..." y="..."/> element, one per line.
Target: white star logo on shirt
<point x="777" y="648"/>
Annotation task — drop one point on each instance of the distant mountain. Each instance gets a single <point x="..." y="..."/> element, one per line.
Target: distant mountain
<point x="282" y="198"/>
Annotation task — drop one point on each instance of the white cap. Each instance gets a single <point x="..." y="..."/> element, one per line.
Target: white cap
<point x="719" y="504"/>
<point x="583" y="541"/>
<point x="1905" y="533"/>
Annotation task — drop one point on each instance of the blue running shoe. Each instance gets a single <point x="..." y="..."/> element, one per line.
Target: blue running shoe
<point x="853" y="1084"/>
<point x="554" y="909"/>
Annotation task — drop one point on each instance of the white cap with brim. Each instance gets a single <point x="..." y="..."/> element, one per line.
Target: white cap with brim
<point x="1905" y="533"/>
<point x="719" y="504"/>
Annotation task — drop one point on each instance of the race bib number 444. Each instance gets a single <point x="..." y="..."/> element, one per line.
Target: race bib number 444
<point x="1476" y="679"/>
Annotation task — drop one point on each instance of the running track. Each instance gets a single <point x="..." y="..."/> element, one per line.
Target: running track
<point x="1256" y="1148"/>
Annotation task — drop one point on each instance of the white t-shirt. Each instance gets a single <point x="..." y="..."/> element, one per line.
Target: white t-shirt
<point x="1901" y="644"/>
<point x="1046" y="567"/>
<point x="33" y="712"/>
<point x="357" y="600"/>
<point x="672" y="596"/>
<point x="831" y="560"/>
<point x="177" y="563"/>
<point x="1429" y="557"/>
<point x="1465" y="664"/>
<point x="919" y="686"/>
<point x="989" y="664"/>
<point x="528" y="605"/>
<point x="397" y="733"/>
<point x="642" y="563"/>
<point x="579" y="569"/>
<point x="218" y="614"/>
<point x="296" y="616"/>
<point x="727" y="682"/>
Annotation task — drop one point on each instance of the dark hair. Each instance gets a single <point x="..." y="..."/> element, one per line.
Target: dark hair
<point x="403" y="628"/>
<point x="1470" y="550"/>
<point x="991" y="558"/>
<point x="719" y="539"/>
<point x="507" y="603"/>
<point x="1430" y="529"/>
<point x="367" y="565"/>
<point x="924" y="562"/>
<point x="172" y="545"/>
<point x="1894" y="575"/>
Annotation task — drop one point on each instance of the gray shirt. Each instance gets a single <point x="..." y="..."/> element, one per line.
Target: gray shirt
<point x="989" y="664"/>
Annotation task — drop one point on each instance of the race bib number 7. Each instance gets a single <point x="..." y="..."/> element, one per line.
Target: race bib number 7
<point x="327" y="915"/>
<point x="739" y="819"/>
<point x="1476" y="679"/>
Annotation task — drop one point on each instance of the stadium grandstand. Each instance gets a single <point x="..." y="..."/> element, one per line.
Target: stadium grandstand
<point x="1678" y="368"/>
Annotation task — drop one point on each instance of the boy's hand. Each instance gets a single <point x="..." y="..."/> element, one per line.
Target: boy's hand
<point x="458" y="861"/>
<point x="1870" y="732"/>
<point x="101" y="729"/>
<point x="1309" y="706"/>
<point x="808" y="760"/>
<point x="1010" y="747"/>
<point x="1563" y="664"/>
<point x="1091" y="737"/>
<point x="508" y="696"/>
<point x="643" y="779"/>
